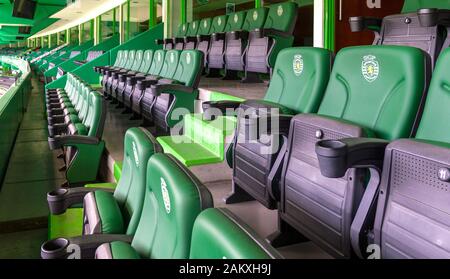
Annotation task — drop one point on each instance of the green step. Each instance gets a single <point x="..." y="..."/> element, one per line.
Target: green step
<point x="203" y="141"/>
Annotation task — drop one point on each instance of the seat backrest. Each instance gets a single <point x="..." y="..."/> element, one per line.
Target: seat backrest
<point x="95" y="119"/>
<point x="219" y="234"/>
<point x="173" y="199"/>
<point x="282" y="17"/>
<point x="139" y="146"/>
<point x="413" y="211"/>
<point x="218" y="24"/>
<point x="205" y="26"/>
<point x="255" y="19"/>
<point x="434" y="126"/>
<point x="235" y="21"/>
<point x="146" y="62"/>
<point x="190" y="68"/>
<point x="124" y="58"/>
<point x="137" y="60"/>
<point x="119" y="58"/>
<point x="182" y="30"/>
<point x="170" y="63"/>
<point x="130" y="59"/>
<point x="158" y="62"/>
<point x="300" y="78"/>
<point x="370" y="84"/>
<point x="193" y="29"/>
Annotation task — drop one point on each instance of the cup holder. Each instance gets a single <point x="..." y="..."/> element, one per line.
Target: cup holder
<point x="54" y="248"/>
<point x="331" y="148"/>
<point x="428" y="17"/>
<point x="56" y="201"/>
<point x="356" y="23"/>
<point x="57" y="193"/>
<point x="332" y="156"/>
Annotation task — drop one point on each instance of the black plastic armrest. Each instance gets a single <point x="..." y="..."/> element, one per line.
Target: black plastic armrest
<point x="337" y="156"/>
<point x="56" y="129"/>
<point x="359" y="23"/>
<point x="61" y="199"/>
<point x="160" y="41"/>
<point x="145" y="83"/>
<point x="56" y="119"/>
<point x="190" y="39"/>
<point x="203" y="37"/>
<point x="178" y="40"/>
<point x="158" y="89"/>
<point x="275" y="123"/>
<point x="55" y="111"/>
<point x="132" y="80"/>
<point x="60" y="141"/>
<point x="168" y="40"/>
<point x="236" y="35"/>
<point x="80" y="247"/>
<point x="218" y="36"/>
<point x="212" y="109"/>
<point x="274" y="32"/>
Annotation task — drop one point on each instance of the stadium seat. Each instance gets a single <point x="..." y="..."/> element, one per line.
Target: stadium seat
<point x="177" y="42"/>
<point x="238" y="40"/>
<point x="219" y="234"/>
<point x="173" y="198"/>
<point x="190" y="39"/>
<point x="219" y="42"/>
<point x="265" y="44"/>
<point x="204" y="36"/>
<point x="113" y="211"/>
<point x="405" y="210"/>
<point x="297" y="86"/>
<point x="375" y="92"/>
<point x="120" y="82"/>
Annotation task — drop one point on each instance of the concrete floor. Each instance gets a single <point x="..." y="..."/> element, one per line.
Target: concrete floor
<point x="31" y="173"/>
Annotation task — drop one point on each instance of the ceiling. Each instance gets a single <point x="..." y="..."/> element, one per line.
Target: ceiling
<point x="10" y="25"/>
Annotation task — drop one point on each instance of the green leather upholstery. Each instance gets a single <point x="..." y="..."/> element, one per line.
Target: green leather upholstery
<point x="173" y="200"/>
<point x="189" y="67"/>
<point x="374" y="95"/>
<point x="120" y="212"/>
<point x="193" y="28"/>
<point x="218" y="24"/>
<point x="158" y="62"/>
<point x="235" y="21"/>
<point x="281" y="17"/>
<point x="182" y="30"/>
<point x="433" y="127"/>
<point x="147" y="57"/>
<point x="255" y="19"/>
<point x="205" y="26"/>
<point x="138" y="57"/>
<point x="170" y="63"/>
<point x="299" y="79"/>
<point x="219" y="234"/>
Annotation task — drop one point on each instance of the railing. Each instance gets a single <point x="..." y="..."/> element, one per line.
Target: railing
<point x="12" y="107"/>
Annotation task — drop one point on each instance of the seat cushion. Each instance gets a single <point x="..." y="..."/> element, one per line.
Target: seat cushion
<point x="102" y="214"/>
<point x="116" y="250"/>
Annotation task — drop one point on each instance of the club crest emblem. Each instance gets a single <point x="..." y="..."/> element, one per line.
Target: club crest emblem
<point x="193" y="25"/>
<point x="188" y="58"/>
<point x="159" y="56"/>
<point x="280" y="10"/>
<point x="236" y="17"/>
<point x="297" y="65"/>
<point x="370" y="68"/>
<point x="184" y="27"/>
<point x="135" y="154"/>
<point x="205" y="24"/>
<point x="255" y="15"/>
<point x="172" y="57"/>
<point x="165" y="195"/>
<point x="219" y="21"/>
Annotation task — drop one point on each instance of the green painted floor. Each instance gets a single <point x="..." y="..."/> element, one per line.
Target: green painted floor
<point x="32" y="172"/>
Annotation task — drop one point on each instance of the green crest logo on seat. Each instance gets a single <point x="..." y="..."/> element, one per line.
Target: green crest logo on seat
<point x="297" y="64"/>
<point x="255" y="15"/>
<point x="172" y="57"/>
<point x="193" y="25"/>
<point x="280" y="10"/>
<point x="219" y="21"/>
<point x="236" y="18"/>
<point x="159" y="56"/>
<point x="205" y="24"/>
<point x="165" y="195"/>
<point x="184" y="27"/>
<point x="135" y="154"/>
<point x="370" y="68"/>
<point x="188" y="58"/>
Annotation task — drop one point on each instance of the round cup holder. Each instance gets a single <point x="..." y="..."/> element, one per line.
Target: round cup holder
<point x="54" y="248"/>
<point x="428" y="17"/>
<point x="57" y="193"/>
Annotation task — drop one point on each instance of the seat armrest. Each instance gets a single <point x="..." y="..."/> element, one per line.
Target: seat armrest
<point x="56" y="129"/>
<point x="55" y="119"/>
<point x="61" y="199"/>
<point x="218" y="36"/>
<point x="145" y="83"/>
<point x="201" y="38"/>
<point x="236" y="35"/>
<point x="178" y="40"/>
<point x="173" y="89"/>
<point x="211" y="109"/>
<point x="160" y="41"/>
<point x="270" y="32"/>
<point x="359" y="23"/>
<point x="71" y="140"/>
<point x="132" y="80"/>
<point x="80" y="247"/>
<point x="190" y="39"/>
<point x="337" y="156"/>
<point x="55" y="111"/>
<point x="168" y="40"/>
<point x="275" y="123"/>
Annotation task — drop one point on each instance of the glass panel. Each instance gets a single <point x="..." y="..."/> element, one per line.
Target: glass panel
<point x="86" y="35"/>
<point x="205" y="9"/>
<point x="74" y="35"/>
<point x="109" y="24"/>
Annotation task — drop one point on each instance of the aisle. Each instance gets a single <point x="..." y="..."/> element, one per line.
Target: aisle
<point x="32" y="172"/>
